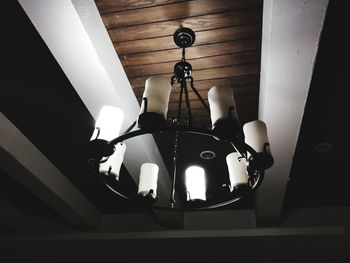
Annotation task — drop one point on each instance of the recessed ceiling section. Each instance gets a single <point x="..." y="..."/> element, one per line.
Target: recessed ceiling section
<point x="226" y="50"/>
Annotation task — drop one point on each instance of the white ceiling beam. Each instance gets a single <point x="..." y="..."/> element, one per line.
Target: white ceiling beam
<point x="291" y="33"/>
<point x="75" y="34"/>
<point x="20" y="159"/>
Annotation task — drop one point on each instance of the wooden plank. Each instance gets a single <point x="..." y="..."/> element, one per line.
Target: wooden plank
<point x="246" y="112"/>
<point x="191" y="53"/>
<point x="175" y="11"/>
<point x="238" y="83"/>
<point x="196" y="104"/>
<point x="110" y="6"/>
<point x="244" y="116"/>
<point x="201" y="63"/>
<point x="239" y="92"/>
<point x="202" y="37"/>
<point x="248" y="93"/>
<point x="199" y="23"/>
<point x="222" y="72"/>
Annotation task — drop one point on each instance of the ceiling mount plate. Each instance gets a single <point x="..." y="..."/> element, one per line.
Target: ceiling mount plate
<point x="184" y="37"/>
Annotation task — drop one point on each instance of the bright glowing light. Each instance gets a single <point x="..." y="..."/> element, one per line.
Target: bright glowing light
<point x="109" y="123"/>
<point x="195" y="183"/>
<point x="148" y="179"/>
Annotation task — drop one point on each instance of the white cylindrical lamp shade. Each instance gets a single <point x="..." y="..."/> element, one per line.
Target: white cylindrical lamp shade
<point x="148" y="179"/>
<point x="195" y="183"/>
<point x="157" y="91"/>
<point x="114" y="162"/>
<point x="108" y="123"/>
<point x="237" y="170"/>
<point x="220" y="99"/>
<point x="255" y="134"/>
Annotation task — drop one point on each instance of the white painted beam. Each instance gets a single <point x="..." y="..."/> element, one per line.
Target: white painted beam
<point x="291" y="33"/>
<point x="74" y="32"/>
<point x="28" y="166"/>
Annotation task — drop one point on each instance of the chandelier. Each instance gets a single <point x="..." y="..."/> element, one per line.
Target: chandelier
<point x="246" y="164"/>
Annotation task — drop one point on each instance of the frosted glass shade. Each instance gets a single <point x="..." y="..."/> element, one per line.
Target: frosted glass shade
<point x="148" y="179"/>
<point x="237" y="170"/>
<point x="195" y="183"/>
<point x="255" y="133"/>
<point x="114" y="162"/>
<point x="220" y="100"/>
<point x="109" y="123"/>
<point x="157" y="91"/>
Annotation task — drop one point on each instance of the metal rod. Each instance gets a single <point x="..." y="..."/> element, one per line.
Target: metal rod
<point x="199" y="96"/>
<point x="111" y="188"/>
<point x="171" y="128"/>
<point x="188" y="106"/>
<point x="173" y="78"/>
<point x="172" y="198"/>
<point x="130" y="127"/>
<point x="98" y="132"/>
<point x="180" y="104"/>
<point x="145" y="104"/>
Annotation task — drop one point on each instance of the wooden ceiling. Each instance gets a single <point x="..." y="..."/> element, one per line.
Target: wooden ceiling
<point x="226" y="50"/>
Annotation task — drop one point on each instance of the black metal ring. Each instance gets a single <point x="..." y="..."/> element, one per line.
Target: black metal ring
<point x="258" y="175"/>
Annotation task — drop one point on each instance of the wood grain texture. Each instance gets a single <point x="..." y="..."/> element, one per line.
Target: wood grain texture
<point x="174" y="11"/>
<point x="111" y="6"/>
<point x="199" y="23"/>
<point x="226" y="50"/>
<point x="212" y="73"/>
<point x="191" y="53"/>
<point x="200" y="63"/>
<point x="202" y="38"/>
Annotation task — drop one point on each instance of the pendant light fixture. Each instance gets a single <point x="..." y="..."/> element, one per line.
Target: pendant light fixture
<point x="246" y="163"/>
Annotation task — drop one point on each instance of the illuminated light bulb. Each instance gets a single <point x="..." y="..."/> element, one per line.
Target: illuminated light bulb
<point x="148" y="179"/>
<point x="108" y="123"/>
<point x="195" y="183"/>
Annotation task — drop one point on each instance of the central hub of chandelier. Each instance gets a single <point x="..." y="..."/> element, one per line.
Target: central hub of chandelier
<point x="246" y="164"/>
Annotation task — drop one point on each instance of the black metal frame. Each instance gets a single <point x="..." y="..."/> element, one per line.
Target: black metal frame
<point x="228" y="130"/>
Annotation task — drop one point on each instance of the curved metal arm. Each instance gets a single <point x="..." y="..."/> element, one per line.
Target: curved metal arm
<point x="169" y="128"/>
<point x="111" y="188"/>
